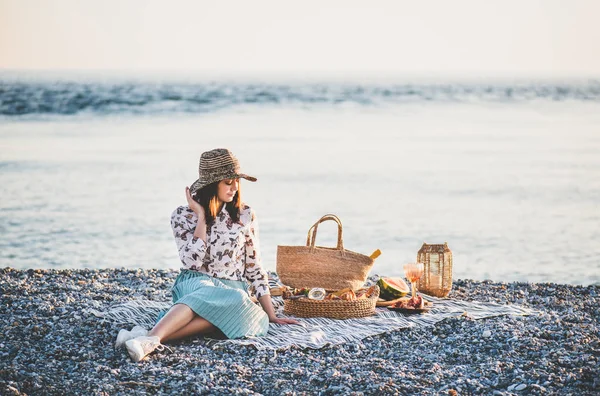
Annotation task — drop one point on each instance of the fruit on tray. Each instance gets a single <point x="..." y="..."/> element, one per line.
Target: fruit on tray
<point x="416" y="302"/>
<point x="392" y="288"/>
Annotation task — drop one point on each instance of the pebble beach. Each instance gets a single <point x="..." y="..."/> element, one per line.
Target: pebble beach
<point x="51" y="345"/>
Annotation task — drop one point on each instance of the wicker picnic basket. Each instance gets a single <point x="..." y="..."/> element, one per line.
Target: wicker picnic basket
<point x="326" y="267"/>
<point x="335" y="309"/>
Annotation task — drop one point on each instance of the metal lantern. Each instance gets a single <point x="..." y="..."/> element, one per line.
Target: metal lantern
<point x="437" y="276"/>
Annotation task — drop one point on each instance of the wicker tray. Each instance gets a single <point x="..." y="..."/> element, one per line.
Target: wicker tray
<point x="335" y="309"/>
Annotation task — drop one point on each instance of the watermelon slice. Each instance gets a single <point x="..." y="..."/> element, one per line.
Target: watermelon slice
<point x="392" y="288"/>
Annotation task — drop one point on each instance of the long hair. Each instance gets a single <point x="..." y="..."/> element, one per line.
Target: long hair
<point x="208" y="198"/>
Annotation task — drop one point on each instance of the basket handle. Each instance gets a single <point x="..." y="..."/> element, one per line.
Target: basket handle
<point x="312" y="232"/>
<point x="311" y="238"/>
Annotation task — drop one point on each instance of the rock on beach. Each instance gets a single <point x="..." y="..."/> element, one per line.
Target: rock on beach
<point x="51" y="345"/>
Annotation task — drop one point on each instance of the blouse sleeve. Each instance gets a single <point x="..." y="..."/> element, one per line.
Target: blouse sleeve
<point x="254" y="272"/>
<point x="192" y="250"/>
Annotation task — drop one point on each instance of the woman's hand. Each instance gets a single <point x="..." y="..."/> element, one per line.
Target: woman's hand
<point x="283" y="320"/>
<point x="267" y="305"/>
<point x="195" y="206"/>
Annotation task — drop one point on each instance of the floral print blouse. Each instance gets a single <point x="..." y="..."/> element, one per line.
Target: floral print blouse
<point x="232" y="251"/>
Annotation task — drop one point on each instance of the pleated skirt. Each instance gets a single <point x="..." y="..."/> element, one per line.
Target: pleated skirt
<point x="224" y="303"/>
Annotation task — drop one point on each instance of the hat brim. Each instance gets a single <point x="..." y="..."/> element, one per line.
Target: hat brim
<point x="198" y="184"/>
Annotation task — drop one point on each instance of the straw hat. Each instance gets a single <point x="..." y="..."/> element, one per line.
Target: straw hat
<point x="216" y="165"/>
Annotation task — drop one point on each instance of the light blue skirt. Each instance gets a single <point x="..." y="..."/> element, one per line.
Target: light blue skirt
<point x="224" y="303"/>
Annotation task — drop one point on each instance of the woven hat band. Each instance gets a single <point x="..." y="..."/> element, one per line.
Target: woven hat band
<point x="210" y="164"/>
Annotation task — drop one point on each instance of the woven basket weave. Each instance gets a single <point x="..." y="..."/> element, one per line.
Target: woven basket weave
<point x="316" y="266"/>
<point x="335" y="309"/>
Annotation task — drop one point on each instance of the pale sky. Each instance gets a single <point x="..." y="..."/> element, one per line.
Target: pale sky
<point x="522" y="37"/>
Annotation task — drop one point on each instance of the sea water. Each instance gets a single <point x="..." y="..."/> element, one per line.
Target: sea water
<point x="507" y="175"/>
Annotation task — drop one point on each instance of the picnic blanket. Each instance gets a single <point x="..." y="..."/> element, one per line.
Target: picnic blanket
<point x="319" y="332"/>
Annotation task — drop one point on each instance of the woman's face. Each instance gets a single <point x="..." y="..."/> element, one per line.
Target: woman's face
<point x="227" y="189"/>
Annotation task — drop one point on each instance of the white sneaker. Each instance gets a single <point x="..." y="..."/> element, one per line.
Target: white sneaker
<point x="140" y="347"/>
<point x="126" y="335"/>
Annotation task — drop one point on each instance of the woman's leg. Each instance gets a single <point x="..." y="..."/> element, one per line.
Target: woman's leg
<point x="198" y="325"/>
<point x="178" y="317"/>
<point x="180" y="322"/>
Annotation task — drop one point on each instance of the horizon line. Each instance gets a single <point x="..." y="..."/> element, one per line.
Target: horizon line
<point x="299" y="75"/>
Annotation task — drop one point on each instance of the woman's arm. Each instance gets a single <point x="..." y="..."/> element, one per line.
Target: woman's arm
<point x="253" y="270"/>
<point x="200" y="231"/>
<point x="257" y="276"/>
<point x="191" y="244"/>
<point x="267" y="305"/>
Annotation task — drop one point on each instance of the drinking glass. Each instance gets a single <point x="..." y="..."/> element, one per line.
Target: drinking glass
<point x="413" y="271"/>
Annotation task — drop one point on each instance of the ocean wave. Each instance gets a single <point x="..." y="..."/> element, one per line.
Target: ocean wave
<point x="69" y="98"/>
